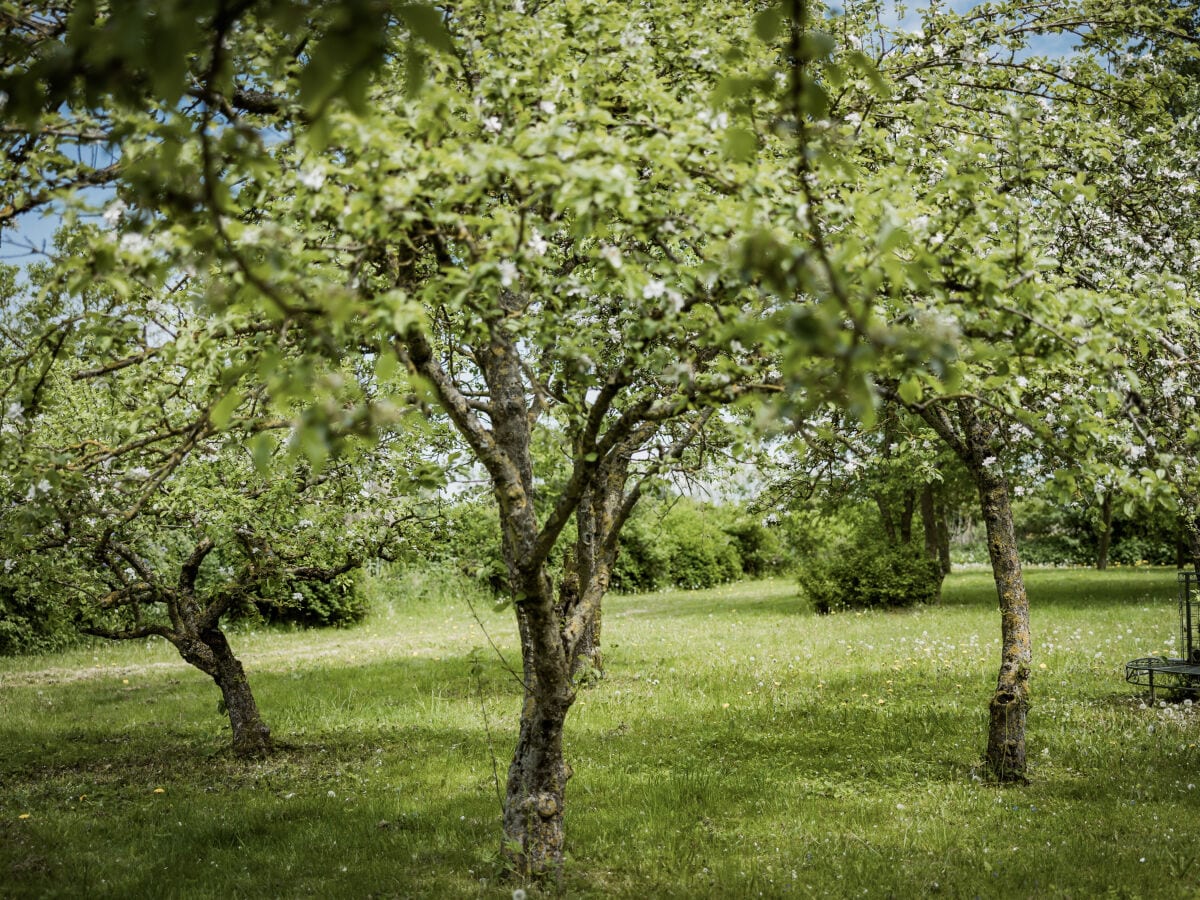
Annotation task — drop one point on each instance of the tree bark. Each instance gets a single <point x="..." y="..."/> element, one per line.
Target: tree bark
<point x="906" y="517"/>
<point x="1105" y="537"/>
<point x="251" y="736"/>
<point x="929" y="524"/>
<point x="885" y="514"/>
<point x="535" y="797"/>
<point x="1010" y="702"/>
<point x="943" y="537"/>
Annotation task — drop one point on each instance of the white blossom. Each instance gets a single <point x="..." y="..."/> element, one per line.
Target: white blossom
<point x="313" y="179"/>
<point x="654" y="288"/>
<point x="611" y="255"/>
<point x="135" y="243"/>
<point x="492" y="124"/>
<point x="549" y="107"/>
<point x="537" y="243"/>
<point x="508" y="273"/>
<point x="113" y="212"/>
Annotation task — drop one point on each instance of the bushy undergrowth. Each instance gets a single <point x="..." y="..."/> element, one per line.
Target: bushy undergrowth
<point x="690" y="544"/>
<point x="866" y="573"/>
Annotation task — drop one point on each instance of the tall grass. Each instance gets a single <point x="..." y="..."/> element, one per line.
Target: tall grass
<point x="739" y="747"/>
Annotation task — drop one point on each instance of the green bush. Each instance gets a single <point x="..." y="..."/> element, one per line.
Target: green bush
<point x="701" y="553"/>
<point x="315" y="604"/>
<point x="643" y="559"/>
<point x="866" y="574"/>
<point x="33" y="619"/>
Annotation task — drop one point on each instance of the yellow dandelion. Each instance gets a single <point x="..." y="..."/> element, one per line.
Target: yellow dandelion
<point x="160" y="790"/>
<point x="23" y="816"/>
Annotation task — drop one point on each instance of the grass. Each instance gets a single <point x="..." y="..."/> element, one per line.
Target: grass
<point x="739" y="747"/>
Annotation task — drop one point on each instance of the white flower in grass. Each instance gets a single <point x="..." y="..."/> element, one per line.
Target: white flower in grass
<point x="508" y="273"/>
<point x="492" y="124"/>
<point x="549" y="107"/>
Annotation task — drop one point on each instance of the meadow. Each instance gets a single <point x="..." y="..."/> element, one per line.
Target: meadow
<point x="740" y="746"/>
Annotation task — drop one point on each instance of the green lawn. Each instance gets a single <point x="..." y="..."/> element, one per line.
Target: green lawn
<point x="739" y="747"/>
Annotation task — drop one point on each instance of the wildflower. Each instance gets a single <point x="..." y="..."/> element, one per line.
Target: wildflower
<point x="549" y="107"/>
<point x="492" y="124"/>
<point x="159" y="790"/>
<point x="508" y="273"/>
<point x="518" y="894"/>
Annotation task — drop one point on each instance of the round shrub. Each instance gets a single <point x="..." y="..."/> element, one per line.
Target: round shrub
<point x="866" y="575"/>
<point x="315" y="604"/>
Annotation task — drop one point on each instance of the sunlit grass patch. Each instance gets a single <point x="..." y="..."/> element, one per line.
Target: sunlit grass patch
<point x="738" y="746"/>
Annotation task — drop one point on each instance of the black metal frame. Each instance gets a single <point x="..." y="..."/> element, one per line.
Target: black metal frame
<point x="1179" y="675"/>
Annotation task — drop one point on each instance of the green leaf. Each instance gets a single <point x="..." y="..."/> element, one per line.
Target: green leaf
<point x="740" y="144"/>
<point x="767" y="24"/>
<point x="910" y="390"/>
<point x="428" y="24"/>
<point x="262" y="449"/>
<point x="223" y="409"/>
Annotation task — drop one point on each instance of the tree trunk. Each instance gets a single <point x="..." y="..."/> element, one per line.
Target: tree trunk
<point x="251" y="736"/>
<point x="906" y="518"/>
<point x="885" y="513"/>
<point x="1010" y="703"/>
<point x="589" y="659"/>
<point x="943" y="537"/>
<point x="1105" y="538"/>
<point x="929" y="524"/>
<point x="930" y="529"/>
<point x="536" y="793"/>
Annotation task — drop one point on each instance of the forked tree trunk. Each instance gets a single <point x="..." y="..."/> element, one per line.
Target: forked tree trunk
<point x="251" y="736"/>
<point x="1010" y="703"/>
<point x="1105" y="537"/>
